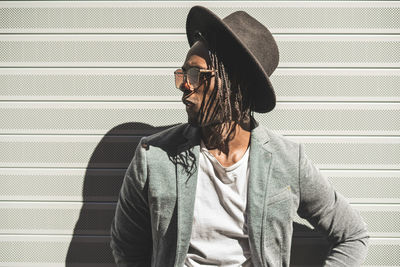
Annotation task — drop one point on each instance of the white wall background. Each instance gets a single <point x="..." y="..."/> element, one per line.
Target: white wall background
<point x="80" y="82"/>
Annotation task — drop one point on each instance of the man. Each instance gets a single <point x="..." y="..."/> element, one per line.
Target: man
<point x="222" y="190"/>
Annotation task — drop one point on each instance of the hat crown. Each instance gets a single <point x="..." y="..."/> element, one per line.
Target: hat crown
<point x="256" y="37"/>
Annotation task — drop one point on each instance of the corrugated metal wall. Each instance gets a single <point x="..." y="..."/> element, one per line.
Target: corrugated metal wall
<point x="80" y="82"/>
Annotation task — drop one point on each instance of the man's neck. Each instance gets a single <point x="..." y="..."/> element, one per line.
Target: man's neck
<point x="236" y="147"/>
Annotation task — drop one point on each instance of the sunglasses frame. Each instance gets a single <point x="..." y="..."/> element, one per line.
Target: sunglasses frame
<point x="198" y="78"/>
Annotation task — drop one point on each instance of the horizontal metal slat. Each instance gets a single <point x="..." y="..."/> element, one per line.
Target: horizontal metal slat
<point x="366" y="186"/>
<point x="352" y="152"/>
<point x="148" y="117"/>
<point x="86" y="185"/>
<point x="157" y="84"/>
<point x="49" y="184"/>
<point x="56" y="250"/>
<point x="67" y="151"/>
<point x="72" y="151"/>
<point x="158" y="50"/>
<point x="139" y="17"/>
<point x="95" y="219"/>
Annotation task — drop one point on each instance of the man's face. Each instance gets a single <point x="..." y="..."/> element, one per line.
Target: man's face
<point x="198" y="56"/>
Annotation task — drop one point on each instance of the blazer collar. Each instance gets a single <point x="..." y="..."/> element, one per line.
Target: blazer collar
<point x="192" y="135"/>
<point x="260" y="159"/>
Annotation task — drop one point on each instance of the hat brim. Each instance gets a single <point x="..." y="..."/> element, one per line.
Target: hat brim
<point x="204" y="20"/>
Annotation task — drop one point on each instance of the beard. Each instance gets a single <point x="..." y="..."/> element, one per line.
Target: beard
<point x="210" y="118"/>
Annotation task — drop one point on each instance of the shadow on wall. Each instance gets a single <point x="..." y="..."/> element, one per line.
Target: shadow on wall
<point x="103" y="180"/>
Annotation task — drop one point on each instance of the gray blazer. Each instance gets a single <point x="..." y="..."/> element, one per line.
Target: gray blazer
<point x="154" y="214"/>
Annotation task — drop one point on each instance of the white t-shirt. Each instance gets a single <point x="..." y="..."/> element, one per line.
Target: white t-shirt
<point x="219" y="234"/>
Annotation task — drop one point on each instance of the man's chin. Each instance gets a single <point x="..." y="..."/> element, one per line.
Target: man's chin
<point x="193" y="122"/>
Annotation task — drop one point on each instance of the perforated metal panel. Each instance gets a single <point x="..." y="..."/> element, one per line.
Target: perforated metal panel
<point x="157" y="84"/>
<point x="113" y="151"/>
<point x="66" y="151"/>
<point x="47" y="184"/>
<point x="138" y="17"/>
<point x="170" y="50"/>
<point x="95" y="219"/>
<point x="51" y="250"/>
<point x="60" y="184"/>
<point x="366" y="186"/>
<point x="286" y="118"/>
<point x="81" y="82"/>
<point x="56" y="218"/>
<point x="353" y="152"/>
<point x="55" y="250"/>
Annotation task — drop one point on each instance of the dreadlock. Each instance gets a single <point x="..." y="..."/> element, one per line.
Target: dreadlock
<point x="231" y="101"/>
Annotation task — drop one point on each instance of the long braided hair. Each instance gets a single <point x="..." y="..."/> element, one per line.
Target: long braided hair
<point x="231" y="100"/>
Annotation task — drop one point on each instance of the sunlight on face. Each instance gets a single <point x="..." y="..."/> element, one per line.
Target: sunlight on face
<point x="198" y="56"/>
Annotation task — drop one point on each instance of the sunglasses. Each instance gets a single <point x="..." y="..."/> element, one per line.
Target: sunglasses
<point x="190" y="78"/>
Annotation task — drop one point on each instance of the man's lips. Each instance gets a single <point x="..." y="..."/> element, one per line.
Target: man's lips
<point x="187" y="102"/>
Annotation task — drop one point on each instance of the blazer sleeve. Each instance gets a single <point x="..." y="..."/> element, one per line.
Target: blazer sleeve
<point x="330" y="213"/>
<point x="131" y="238"/>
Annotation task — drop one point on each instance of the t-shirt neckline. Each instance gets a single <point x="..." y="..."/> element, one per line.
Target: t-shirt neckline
<point x="203" y="148"/>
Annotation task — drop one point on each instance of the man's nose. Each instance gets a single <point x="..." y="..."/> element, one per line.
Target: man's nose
<point x="185" y="87"/>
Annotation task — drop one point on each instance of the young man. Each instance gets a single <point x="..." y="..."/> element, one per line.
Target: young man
<point x="222" y="190"/>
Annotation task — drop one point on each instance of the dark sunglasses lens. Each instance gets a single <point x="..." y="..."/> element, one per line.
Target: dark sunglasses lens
<point x="178" y="78"/>
<point x="193" y="77"/>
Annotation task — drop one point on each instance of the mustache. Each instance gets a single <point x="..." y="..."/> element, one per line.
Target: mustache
<point x="186" y="96"/>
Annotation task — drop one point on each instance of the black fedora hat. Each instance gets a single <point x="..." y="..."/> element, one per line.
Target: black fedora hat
<point x="243" y="41"/>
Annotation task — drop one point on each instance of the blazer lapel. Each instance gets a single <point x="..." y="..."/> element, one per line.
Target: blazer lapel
<point x="186" y="178"/>
<point x="259" y="162"/>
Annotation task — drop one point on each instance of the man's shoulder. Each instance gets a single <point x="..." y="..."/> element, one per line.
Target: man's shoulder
<point x="167" y="138"/>
<point x="279" y="142"/>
